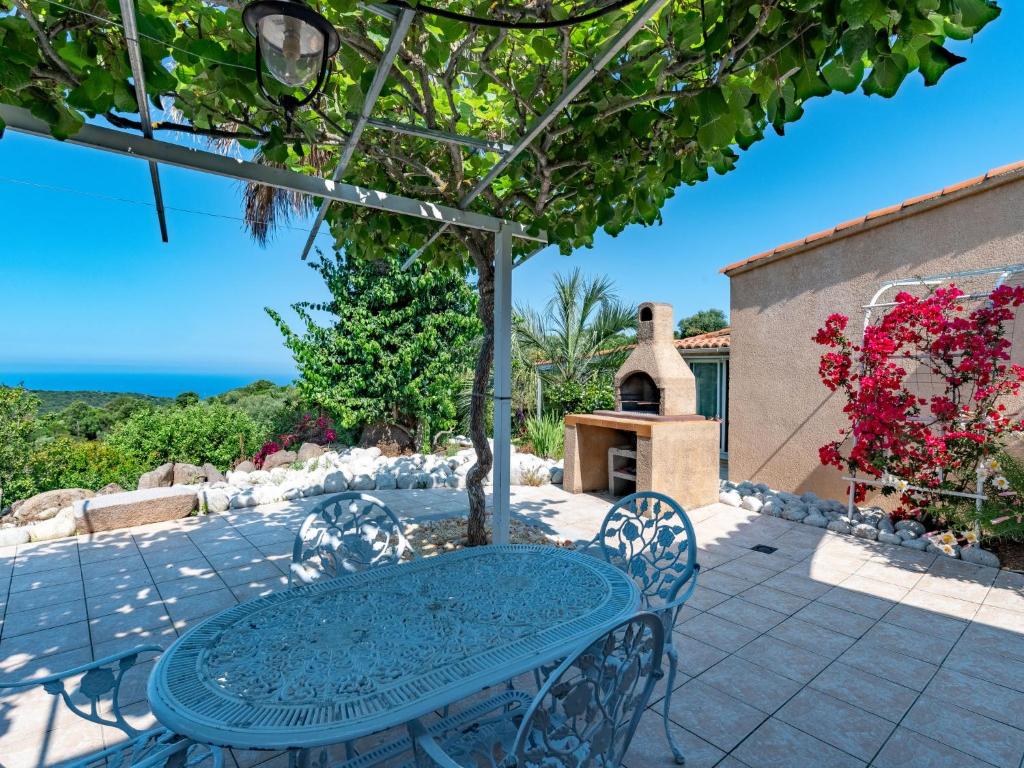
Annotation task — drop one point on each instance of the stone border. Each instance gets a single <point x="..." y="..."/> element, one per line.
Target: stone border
<point x="868" y="523"/>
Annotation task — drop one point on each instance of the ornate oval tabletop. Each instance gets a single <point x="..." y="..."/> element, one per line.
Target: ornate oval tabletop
<point x="343" y="658"/>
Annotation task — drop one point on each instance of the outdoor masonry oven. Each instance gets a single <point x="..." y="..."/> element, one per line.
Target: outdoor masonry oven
<point x="653" y="440"/>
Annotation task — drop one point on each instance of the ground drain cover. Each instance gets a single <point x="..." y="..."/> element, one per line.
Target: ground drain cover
<point x="764" y="548"/>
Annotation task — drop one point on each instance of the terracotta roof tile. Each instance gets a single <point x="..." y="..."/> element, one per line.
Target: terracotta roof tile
<point x="880" y="213"/>
<point x="712" y="340"/>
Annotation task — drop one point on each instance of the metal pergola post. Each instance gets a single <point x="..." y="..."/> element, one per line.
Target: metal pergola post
<point x="398" y="33"/>
<point x="502" y="384"/>
<point x="131" y="36"/>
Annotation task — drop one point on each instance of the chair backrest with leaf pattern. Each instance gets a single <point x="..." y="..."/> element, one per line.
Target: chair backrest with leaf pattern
<point x="588" y="710"/>
<point x="650" y="537"/>
<point x="347" y="533"/>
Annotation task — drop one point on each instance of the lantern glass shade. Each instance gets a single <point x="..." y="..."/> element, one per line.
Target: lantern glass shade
<point x="292" y="48"/>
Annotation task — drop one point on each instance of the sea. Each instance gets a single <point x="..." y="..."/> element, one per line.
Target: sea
<point x="157" y="383"/>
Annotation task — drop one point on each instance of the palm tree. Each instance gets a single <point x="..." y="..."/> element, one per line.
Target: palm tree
<point x="575" y="342"/>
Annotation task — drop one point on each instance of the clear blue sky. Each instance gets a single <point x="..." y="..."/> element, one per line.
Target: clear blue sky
<point x="86" y="283"/>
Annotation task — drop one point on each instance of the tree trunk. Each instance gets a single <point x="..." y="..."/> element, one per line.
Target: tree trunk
<point x="476" y="533"/>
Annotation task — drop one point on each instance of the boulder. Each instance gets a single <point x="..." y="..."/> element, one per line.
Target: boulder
<point x="161" y="477"/>
<point x="279" y="459"/>
<point x="557" y="473"/>
<point x="889" y="538"/>
<point x="390" y="439"/>
<point x="62" y="524"/>
<point x="309" y="451"/>
<point x="838" y="526"/>
<point x="244" y="498"/>
<point x="384" y="481"/>
<point x="291" y="493"/>
<point x="732" y="498"/>
<point x="245" y="466"/>
<point x="43" y="506"/>
<point x="865" y="531"/>
<point x="109" y="488"/>
<point x="188" y="474"/>
<point x="914" y="526"/>
<point x="406" y="480"/>
<point x="919" y="544"/>
<point x="795" y="512"/>
<point x="214" y="500"/>
<point x="335" y="482"/>
<point x="818" y="521"/>
<point x="11" y="537"/>
<point x="752" y="503"/>
<point x="979" y="556"/>
<point x="131" y="508"/>
<point x="213" y="475"/>
<point x="313" y="489"/>
<point x="238" y="478"/>
<point x="361" y="483"/>
<point x="885" y="525"/>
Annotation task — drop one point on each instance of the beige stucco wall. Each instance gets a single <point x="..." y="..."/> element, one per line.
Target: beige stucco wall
<point x="779" y="412"/>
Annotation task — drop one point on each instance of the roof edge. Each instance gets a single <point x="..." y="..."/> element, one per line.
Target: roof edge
<point x="994" y="178"/>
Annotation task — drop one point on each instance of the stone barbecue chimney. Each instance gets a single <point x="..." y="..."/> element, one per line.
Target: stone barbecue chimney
<point x="655" y="379"/>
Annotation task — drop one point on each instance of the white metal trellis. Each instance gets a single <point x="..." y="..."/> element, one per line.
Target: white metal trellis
<point x="991" y="278"/>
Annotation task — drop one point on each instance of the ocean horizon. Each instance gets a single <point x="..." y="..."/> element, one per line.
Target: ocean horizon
<point x="156" y="383"/>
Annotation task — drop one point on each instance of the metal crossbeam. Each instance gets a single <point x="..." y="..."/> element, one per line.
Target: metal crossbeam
<point x="612" y="47"/>
<point x="398" y="32"/>
<point x="131" y="36"/>
<point x="122" y="143"/>
<point x="485" y="145"/>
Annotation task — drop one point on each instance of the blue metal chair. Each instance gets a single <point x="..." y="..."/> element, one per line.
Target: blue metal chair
<point x="100" y="681"/>
<point x="346" y="533"/>
<point x="649" y="536"/>
<point x="584" y="715"/>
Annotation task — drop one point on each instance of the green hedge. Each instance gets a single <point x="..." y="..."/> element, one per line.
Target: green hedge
<point x="199" y="433"/>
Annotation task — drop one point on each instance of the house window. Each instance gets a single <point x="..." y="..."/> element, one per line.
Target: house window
<point x="712" y="378"/>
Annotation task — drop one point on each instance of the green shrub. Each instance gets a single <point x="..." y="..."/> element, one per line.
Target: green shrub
<point x="17" y="412"/>
<point x="546" y="435"/>
<point x="199" y="433"/>
<point x="68" y="463"/>
<point x="573" y="397"/>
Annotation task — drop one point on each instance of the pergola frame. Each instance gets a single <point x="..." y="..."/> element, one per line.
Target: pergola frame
<point x="333" y="190"/>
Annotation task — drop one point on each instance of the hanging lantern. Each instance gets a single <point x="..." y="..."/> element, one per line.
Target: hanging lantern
<point x="296" y="43"/>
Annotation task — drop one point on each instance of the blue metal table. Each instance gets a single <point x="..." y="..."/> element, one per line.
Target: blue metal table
<point x="337" y="660"/>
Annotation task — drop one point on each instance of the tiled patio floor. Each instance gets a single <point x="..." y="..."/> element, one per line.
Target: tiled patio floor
<point x="827" y="652"/>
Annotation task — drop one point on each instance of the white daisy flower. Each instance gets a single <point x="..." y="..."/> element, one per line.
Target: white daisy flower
<point x="1001" y="483"/>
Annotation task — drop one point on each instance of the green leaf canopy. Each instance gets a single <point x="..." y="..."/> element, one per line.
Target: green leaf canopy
<point x="700" y="80"/>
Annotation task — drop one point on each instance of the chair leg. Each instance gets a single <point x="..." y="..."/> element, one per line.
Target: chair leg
<point x="673" y="661"/>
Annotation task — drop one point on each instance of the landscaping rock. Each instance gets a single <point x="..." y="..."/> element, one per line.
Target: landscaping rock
<point x="335" y="482"/>
<point x="838" y="526"/>
<point x="818" y="521"/>
<point x="752" y="503"/>
<point x="979" y="556"/>
<point x="244" y="498"/>
<point x="915" y="526"/>
<point x="161" y="477"/>
<point x="406" y="480"/>
<point x="245" y="466"/>
<point x="291" y="493"/>
<point x="732" y="498"/>
<point x="214" y="500"/>
<point x="795" y="512"/>
<point x="45" y="505"/>
<point x="889" y="538"/>
<point x="10" y="537"/>
<point x="123" y="510"/>
<point x="384" y="481"/>
<point x="309" y="451"/>
<point x="188" y="474"/>
<point x="279" y="459"/>
<point x="213" y="475"/>
<point x="885" y="525"/>
<point x="907" y="534"/>
<point x="919" y="544"/>
<point x="361" y="483"/>
<point x="935" y="550"/>
<point x="63" y="524"/>
<point x="109" y="488"/>
<point x="238" y="478"/>
<point x="313" y="489"/>
<point x="865" y="531"/>
<point x="772" y="507"/>
<point x="557" y="473"/>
